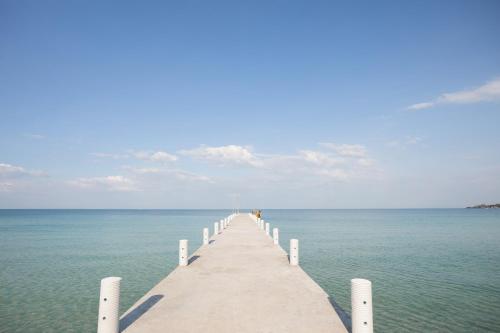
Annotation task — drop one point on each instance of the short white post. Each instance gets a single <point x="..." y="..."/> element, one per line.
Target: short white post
<point x="109" y="305"/>
<point x="294" y="252"/>
<point x="183" y="252"/>
<point x="276" y="237"/>
<point x="216" y="228"/>
<point x="205" y="236"/>
<point x="267" y="228"/>
<point x="361" y="306"/>
<point x="223" y="224"/>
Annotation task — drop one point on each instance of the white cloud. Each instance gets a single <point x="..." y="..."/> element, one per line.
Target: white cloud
<point x="34" y="136"/>
<point x="231" y="154"/>
<point x="319" y="158"/>
<point x="334" y="174"/>
<point x="159" y="156"/>
<point x="413" y="140"/>
<point x="112" y="156"/>
<point x="366" y="162"/>
<point x="188" y="176"/>
<point x="421" y="106"/>
<point x="153" y="156"/>
<point x="108" y="183"/>
<point x="346" y="150"/>
<point x="340" y="162"/>
<point x="6" y="186"/>
<point x="175" y="173"/>
<point x="487" y="92"/>
<point x="402" y="143"/>
<point x="143" y="171"/>
<point x="9" y="170"/>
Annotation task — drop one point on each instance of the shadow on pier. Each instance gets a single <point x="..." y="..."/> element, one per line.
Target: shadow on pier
<point x="343" y="315"/>
<point x="193" y="259"/>
<point x="135" y="314"/>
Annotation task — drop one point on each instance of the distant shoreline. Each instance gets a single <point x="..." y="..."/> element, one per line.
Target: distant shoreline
<point x="484" y="206"/>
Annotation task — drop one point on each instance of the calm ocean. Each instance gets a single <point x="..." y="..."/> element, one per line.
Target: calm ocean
<point x="433" y="270"/>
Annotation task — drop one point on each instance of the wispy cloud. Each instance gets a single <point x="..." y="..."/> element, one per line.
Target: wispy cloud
<point x="336" y="174"/>
<point x="189" y="176"/>
<point x="332" y="162"/>
<point x="158" y="156"/>
<point x="366" y="162"/>
<point x="13" y="177"/>
<point x="6" y="186"/>
<point x="34" y="136"/>
<point x="172" y="173"/>
<point x="111" y="156"/>
<point x="320" y="158"/>
<point x="487" y="92"/>
<point x="10" y="171"/>
<point x="407" y="141"/>
<point x="145" y="155"/>
<point x="346" y="150"/>
<point x="225" y="155"/>
<point x="108" y="183"/>
<point x="413" y="140"/>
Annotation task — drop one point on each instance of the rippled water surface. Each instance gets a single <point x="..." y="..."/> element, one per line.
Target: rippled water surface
<point x="432" y="270"/>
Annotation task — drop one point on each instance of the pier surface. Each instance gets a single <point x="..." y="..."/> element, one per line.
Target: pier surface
<point x="240" y="282"/>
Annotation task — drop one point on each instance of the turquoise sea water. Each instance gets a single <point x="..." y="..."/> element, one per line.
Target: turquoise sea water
<point x="434" y="270"/>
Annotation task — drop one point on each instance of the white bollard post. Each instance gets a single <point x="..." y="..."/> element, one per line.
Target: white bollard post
<point x="205" y="236"/>
<point x="276" y="236"/>
<point x="216" y="228"/>
<point x="361" y="306"/>
<point x="294" y="252"/>
<point x="267" y="228"/>
<point x="109" y="305"/>
<point x="183" y="252"/>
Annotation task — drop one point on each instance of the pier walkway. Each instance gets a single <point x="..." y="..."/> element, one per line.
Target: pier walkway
<point x="240" y="282"/>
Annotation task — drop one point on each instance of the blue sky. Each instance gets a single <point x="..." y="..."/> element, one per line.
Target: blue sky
<point x="314" y="104"/>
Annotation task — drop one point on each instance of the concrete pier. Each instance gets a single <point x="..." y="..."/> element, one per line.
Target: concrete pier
<point x="257" y="291"/>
